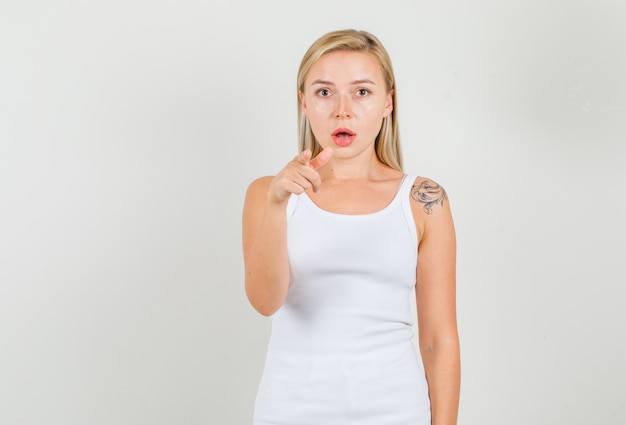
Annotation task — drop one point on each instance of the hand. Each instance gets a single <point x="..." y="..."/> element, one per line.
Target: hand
<point x="299" y="175"/>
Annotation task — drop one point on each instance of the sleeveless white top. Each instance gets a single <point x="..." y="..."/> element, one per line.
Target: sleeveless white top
<point x="341" y="349"/>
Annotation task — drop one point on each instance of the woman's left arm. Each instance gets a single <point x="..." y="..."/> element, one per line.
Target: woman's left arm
<point x="435" y="291"/>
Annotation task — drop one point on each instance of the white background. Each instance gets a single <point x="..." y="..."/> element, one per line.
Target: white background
<point x="129" y="131"/>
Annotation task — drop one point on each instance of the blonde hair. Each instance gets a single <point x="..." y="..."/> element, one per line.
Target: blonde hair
<point x="387" y="143"/>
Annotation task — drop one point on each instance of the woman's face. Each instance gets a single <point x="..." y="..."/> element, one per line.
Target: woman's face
<point x="345" y="98"/>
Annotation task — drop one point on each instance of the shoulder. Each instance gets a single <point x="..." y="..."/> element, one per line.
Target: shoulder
<point x="430" y="206"/>
<point x="426" y="194"/>
<point x="257" y="193"/>
<point x="259" y="186"/>
<point x="261" y="182"/>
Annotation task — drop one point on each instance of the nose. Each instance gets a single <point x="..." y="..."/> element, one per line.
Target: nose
<point x="343" y="107"/>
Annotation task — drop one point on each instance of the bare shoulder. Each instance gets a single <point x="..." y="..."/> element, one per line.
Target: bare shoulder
<point x="429" y="196"/>
<point x="260" y="184"/>
<point x="256" y="194"/>
<point x="257" y="190"/>
<point x="431" y="208"/>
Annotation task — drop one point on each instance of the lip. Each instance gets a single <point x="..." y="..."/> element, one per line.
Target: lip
<point x="343" y="136"/>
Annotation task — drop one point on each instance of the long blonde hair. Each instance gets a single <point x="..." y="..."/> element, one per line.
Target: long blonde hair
<point x="387" y="143"/>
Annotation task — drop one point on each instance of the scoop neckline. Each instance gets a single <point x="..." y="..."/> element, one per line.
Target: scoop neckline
<point x="396" y="198"/>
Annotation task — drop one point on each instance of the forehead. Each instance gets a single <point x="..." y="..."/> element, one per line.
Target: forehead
<point x="344" y="66"/>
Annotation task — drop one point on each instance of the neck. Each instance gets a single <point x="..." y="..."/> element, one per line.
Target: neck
<point x="365" y="167"/>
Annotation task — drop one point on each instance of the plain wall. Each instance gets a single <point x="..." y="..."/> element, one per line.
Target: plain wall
<point x="129" y="131"/>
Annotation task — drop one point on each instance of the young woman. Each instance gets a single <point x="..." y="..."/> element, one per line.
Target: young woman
<point x="334" y="245"/>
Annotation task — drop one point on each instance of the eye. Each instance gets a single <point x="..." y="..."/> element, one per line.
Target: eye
<point x="362" y="92"/>
<point x="323" y="92"/>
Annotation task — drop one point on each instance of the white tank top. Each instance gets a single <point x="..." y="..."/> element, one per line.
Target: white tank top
<point x="351" y="278"/>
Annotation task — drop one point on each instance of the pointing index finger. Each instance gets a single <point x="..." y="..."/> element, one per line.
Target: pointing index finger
<point x="322" y="158"/>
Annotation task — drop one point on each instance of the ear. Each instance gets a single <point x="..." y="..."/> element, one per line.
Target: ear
<point x="388" y="104"/>
<point x="302" y="102"/>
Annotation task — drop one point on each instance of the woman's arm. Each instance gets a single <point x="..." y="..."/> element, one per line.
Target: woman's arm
<point x="264" y="230"/>
<point x="436" y="299"/>
<point x="264" y="237"/>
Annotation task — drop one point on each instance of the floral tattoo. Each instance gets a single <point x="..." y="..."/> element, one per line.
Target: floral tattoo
<point x="429" y="193"/>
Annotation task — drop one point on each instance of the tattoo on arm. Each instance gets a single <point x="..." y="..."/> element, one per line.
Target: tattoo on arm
<point x="430" y="194"/>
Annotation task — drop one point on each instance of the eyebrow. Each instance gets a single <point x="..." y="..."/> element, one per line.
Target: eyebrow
<point x="330" y="83"/>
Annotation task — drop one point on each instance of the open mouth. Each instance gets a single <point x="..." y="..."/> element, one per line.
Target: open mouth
<point x="343" y="132"/>
<point x="343" y="136"/>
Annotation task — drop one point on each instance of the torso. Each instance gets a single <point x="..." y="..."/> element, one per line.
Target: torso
<point x="341" y="344"/>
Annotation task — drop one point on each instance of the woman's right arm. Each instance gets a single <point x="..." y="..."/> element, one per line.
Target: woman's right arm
<point x="265" y="229"/>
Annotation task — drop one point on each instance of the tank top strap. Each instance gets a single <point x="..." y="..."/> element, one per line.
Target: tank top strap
<point x="407" y="183"/>
<point x="405" y="197"/>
